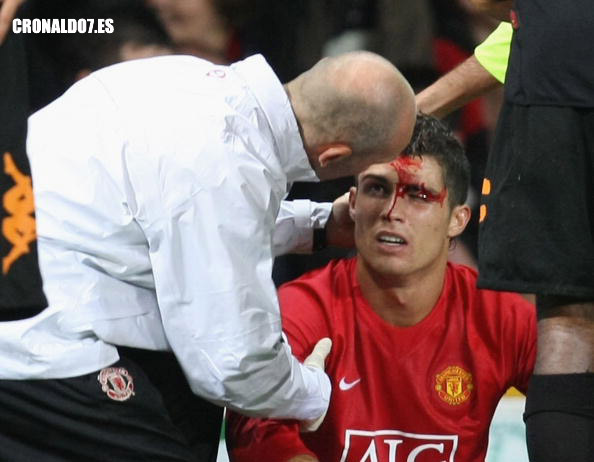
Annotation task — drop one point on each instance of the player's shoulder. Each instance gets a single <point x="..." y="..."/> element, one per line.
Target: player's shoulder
<point x="465" y="279"/>
<point x="462" y="270"/>
<point x="316" y="303"/>
<point x="323" y="282"/>
<point x="461" y="277"/>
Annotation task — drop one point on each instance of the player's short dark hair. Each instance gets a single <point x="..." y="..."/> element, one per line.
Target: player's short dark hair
<point x="432" y="137"/>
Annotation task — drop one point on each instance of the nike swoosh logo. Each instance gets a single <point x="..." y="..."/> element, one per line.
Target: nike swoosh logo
<point x="344" y="385"/>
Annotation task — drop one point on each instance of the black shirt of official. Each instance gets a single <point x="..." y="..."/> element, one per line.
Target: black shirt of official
<point x="552" y="54"/>
<point x="21" y="293"/>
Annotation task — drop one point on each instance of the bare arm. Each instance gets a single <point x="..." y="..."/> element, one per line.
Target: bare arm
<point x="467" y="81"/>
<point x="8" y="9"/>
<point x="497" y="8"/>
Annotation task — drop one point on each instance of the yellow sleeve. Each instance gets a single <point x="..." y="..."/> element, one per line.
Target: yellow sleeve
<point x="493" y="53"/>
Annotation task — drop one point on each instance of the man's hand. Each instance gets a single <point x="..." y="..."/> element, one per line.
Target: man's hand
<point x="316" y="359"/>
<point x="8" y="9"/>
<point x="340" y="229"/>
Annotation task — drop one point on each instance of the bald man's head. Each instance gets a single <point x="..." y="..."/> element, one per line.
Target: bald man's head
<point x="354" y="109"/>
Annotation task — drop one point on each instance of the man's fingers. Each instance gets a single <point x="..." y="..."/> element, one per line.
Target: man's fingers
<point x="319" y="353"/>
<point x="316" y="359"/>
<point x="340" y="226"/>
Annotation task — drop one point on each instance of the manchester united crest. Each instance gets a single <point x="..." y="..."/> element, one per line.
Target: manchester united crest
<point x="117" y="383"/>
<point x="454" y="385"/>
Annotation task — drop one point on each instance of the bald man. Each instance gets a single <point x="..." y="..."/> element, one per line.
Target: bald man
<point x="157" y="184"/>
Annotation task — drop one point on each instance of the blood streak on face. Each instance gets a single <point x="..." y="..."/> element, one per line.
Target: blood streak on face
<point x="407" y="168"/>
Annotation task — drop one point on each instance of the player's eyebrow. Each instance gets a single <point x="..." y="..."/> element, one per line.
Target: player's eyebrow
<point x="422" y="187"/>
<point x="376" y="177"/>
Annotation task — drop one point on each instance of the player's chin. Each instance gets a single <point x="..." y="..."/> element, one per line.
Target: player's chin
<point x="389" y="265"/>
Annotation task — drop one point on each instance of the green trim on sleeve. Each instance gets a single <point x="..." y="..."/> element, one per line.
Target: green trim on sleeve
<point x="493" y="53"/>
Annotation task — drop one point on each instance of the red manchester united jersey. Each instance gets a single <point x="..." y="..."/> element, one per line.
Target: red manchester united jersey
<point x="424" y="393"/>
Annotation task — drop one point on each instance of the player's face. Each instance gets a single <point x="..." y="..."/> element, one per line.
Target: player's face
<point x="403" y="221"/>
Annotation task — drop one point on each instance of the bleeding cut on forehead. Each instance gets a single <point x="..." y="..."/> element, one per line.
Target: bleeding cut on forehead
<point x="406" y="178"/>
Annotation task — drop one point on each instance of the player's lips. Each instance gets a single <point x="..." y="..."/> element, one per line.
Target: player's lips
<point x="391" y="239"/>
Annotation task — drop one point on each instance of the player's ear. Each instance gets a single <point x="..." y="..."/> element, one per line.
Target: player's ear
<point x="330" y="153"/>
<point x="352" y="200"/>
<point x="459" y="218"/>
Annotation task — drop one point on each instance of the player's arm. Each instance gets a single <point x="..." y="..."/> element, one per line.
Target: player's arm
<point x="523" y="339"/>
<point x="482" y="72"/>
<point x="250" y="439"/>
<point x="514" y="336"/>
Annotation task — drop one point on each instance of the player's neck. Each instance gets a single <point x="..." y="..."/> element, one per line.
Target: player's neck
<point x="404" y="301"/>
